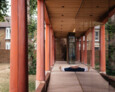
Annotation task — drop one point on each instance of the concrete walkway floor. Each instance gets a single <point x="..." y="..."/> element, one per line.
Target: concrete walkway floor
<point x="76" y="81"/>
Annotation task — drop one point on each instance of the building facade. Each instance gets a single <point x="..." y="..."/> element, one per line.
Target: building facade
<point x="5" y="34"/>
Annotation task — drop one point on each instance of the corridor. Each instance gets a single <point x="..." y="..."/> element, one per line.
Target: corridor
<point x="76" y="82"/>
<point x="74" y="20"/>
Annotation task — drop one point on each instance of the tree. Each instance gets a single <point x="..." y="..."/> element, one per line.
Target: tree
<point x="31" y="46"/>
<point x="110" y="27"/>
<point x="32" y="27"/>
<point x="33" y="7"/>
<point x="3" y="9"/>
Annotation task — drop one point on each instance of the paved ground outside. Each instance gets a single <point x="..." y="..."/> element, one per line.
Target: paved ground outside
<point x="77" y="81"/>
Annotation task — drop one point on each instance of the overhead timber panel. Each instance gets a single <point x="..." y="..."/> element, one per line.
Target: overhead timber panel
<point x="67" y="15"/>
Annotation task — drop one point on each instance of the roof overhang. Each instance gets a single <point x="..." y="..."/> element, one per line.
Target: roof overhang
<point x="77" y="15"/>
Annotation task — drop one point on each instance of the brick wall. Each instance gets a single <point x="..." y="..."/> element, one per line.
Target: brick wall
<point x="97" y="54"/>
<point x="60" y="49"/>
<point x="4" y="56"/>
<point x="89" y="43"/>
<point x="60" y="53"/>
<point x="2" y="38"/>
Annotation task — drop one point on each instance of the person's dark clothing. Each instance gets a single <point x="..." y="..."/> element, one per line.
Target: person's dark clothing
<point x="79" y="69"/>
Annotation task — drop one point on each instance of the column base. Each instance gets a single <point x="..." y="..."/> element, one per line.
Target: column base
<point x="103" y="72"/>
<point x="38" y="83"/>
<point x="93" y="67"/>
<point x="85" y="64"/>
<point x="47" y="72"/>
<point x="78" y="60"/>
<point x="51" y="67"/>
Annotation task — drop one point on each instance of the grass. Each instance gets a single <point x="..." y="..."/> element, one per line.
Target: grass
<point x="113" y="77"/>
<point x="97" y="67"/>
<point x="4" y="79"/>
<point x="31" y="83"/>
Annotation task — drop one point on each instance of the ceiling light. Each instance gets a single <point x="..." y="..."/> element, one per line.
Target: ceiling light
<point x="97" y="6"/>
<point x="62" y="15"/>
<point x="91" y="15"/>
<point x="62" y="6"/>
<point x="74" y="30"/>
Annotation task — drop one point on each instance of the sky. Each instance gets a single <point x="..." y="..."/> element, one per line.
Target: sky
<point x="9" y="8"/>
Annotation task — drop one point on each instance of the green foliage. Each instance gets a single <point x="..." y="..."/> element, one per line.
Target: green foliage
<point x="110" y="63"/>
<point x="109" y="69"/>
<point x="32" y="59"/>
<point x="32" y="79"/>
<point x="111" y="29"/>
<point x="31" y="48"/>
<point x="33" y="6"/>
<point x="97" y="66"/>
<point x="3" y="9"/>
<point x="32" y="27"/>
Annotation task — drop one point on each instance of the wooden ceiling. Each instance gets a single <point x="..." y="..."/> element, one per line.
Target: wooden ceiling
<point x="67" y="15"/>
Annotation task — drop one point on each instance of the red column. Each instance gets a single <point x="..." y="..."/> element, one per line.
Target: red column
<point x="67" y="52"/>
<point x="82" y="49"/>
<point x="50" y="46"/>
<point x="85" y="56"/>
<point x="102" y="50"/>
<point x="40" y="69"/>
<point x="47" y="56"/>
<point x="51" y="63"/>
<point x="18" y="53"/>
<point x="93" y="48"/>
<point x="52" y="49"/>
<point x="77" y="50"/>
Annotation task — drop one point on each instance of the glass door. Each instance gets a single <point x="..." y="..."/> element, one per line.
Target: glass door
<point x="71" y="49"/>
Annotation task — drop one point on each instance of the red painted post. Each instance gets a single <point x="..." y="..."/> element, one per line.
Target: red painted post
<point x="82" y="49"/>
<point x="40" y="69"/>
<point x="52" y="49"/>
<point x="18" y="53"/>
<point x="51" y="63"/>
<point x="85" y="56"/>
<point x="93" y="48"/>
<point x="77" y="50"/>
<point x="102" y="50"/>
<point x="47" y="56"/>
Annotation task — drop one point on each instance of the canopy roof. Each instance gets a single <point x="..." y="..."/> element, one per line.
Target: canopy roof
<point x="77" y="15"/>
